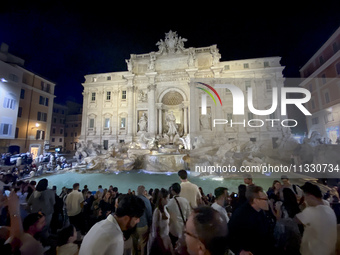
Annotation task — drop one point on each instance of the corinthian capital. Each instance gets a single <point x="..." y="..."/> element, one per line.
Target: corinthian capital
<point x="152" y="87"/>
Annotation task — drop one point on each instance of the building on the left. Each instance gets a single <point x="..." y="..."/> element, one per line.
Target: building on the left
<point x="26" y="104"/>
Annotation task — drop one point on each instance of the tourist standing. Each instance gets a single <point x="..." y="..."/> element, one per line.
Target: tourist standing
<point x="189" y="190"/>
<point x="159" y="240"/>
<point x="74" y="204"/>
<point x="206" y="232"/>
<point x="43" y="200"/>
<point x="179" y="211"/>
<point x="106" y="236"/>
<point x="319" y="221"/>
<point x="141" y="235"/>
<point x="221" y="194"/>
<point x="250" y="230"/>
<point x="286" y="184"/>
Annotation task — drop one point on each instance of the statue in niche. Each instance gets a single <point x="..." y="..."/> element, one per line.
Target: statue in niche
<point x="142" y="96"/>
<point x="192" y="58"/>
<point x="129" y="64"/>
<point x="143" y="121"/>
<point x="205" y="121"/>
<point x="171" y="122"/>
<point x="152" y="62"/>
<point x="216" y="56"/>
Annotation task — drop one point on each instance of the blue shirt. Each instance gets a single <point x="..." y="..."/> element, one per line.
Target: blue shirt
<point x="146" y="218"/>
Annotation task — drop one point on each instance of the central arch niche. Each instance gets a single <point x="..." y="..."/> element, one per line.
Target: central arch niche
<point x="172" y="101"/>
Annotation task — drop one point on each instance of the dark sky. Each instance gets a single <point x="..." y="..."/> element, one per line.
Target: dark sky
<point x="63" y="42"/>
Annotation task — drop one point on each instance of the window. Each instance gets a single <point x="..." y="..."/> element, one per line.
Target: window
<point x="42" y="116"/>
<point x="53" y="130"/>
<point x="315" y="120"/>
<point x="245" y="65"/>
<point x="93" y="96"/>
<point x="321" y="60"/>
<point x="13" y="77"/>
<point x="124" y="94"/>
<point x="19" y="112"/>
<point x="226" y="67"/>
<point x="61" y="131"/>
<point x="328" y="117"/>
<point x="40" y="135"/>
<point x="60" y="140"/>
<point x="122" y="122"/>
<point x="108" y="78"/>
<point x="16" y="132"/>
<point x="9" y="102"/>
<point x="106" y="123"/>
<point x="75" y="134"/>
<point x="269" y="85"/>
<point x="53" y="140"/>
<point x="266" y="64"/>
<point x="337" y="67"/>
<point x="5" y="129"/>
<point x="108" y="95"/>
<point x="43" y="100"/>
<point x="106" y="144"/>
<point x="91" y="123"/>
<point x="327" y="98"/>
<point x="22" y="94"/>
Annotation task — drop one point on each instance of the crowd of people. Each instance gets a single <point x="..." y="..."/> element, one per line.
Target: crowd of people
<point x="179" y="219"/>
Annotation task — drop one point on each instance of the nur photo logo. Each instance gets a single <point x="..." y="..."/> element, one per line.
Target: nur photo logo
<point x="238" y="103"/>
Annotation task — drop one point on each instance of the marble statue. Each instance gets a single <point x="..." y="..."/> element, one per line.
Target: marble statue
<point x="143" y="121"/>
<point x="171" y="122"/>
<point x="205" y="121"/>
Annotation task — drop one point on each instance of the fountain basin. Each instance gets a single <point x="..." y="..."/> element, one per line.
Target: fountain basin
<point x="164" y="162"/>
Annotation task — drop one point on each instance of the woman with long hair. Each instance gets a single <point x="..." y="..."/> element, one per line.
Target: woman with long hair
<point x="159" y="239"/>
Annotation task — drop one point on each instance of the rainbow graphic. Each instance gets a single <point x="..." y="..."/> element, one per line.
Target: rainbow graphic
<point x="209" y="93"/>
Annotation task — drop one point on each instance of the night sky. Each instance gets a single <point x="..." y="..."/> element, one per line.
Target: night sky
<point x="63" y="42"/>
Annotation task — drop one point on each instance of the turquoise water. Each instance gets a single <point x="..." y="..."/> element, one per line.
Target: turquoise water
<point x="132" y="179"/>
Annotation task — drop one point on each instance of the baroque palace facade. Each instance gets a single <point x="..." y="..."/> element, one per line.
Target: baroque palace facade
<point x="157" y="96"/>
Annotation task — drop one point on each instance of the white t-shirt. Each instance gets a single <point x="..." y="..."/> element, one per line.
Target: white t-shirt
<point x="320" y="232"/>
<point x="191" y="192"/>
<point x="221" y="210"/>
<point x="104" y="238"/>
<point x="176" y="221"/>
<point x="73" y="201"/>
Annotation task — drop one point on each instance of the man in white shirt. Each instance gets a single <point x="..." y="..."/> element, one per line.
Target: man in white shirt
<point x="74" y="204"/>
<point x="189" y="190"/>
<point x="106" y="237"/>
<point x="221" y="195"/>
<point x="319" y="220"/>
<point x="179" y="210"/>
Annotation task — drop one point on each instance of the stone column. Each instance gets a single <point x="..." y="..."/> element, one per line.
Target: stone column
<point x="151" y="109"/>
<point x="151" y="103"/>
<point x="84" y="121"/>
<point x="160" y="118"/>
<point x="130" y="101"/>
<point x="185" y="117"/>
<point x="193" y="123"/>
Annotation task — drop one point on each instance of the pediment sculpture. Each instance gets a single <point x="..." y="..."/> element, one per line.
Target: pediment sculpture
<point x="171" y="44"/>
